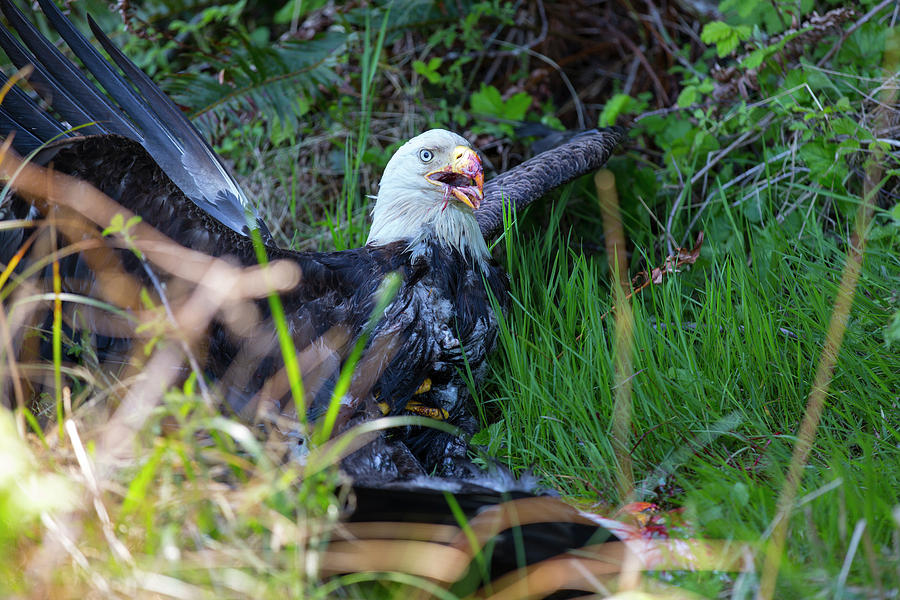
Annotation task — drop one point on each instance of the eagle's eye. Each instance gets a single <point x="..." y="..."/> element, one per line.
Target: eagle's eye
<point x="425" y="155"/>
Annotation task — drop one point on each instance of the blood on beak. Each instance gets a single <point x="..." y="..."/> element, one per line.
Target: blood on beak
<point x="463" y="178"/>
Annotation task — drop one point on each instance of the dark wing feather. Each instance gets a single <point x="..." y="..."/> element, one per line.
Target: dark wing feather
<point x="197" y="158"/>
<point x="25" y="141"/>
<point x="525" y="183"/>
<point x="60" y="83"/>
<point x="151" y="119"/>
<point x="30" y="116"/>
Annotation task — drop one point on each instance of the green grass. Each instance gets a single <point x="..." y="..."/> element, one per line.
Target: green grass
<point x="723" y="360"/>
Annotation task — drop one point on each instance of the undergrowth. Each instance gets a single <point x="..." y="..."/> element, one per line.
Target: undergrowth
<point x="767" y="154"/>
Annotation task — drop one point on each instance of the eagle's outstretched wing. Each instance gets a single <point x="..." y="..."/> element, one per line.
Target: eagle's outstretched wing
<point x="523" y="184"/>
<point x="133" y="107"/>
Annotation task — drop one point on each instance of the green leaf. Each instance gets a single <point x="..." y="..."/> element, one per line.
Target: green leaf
<point x="819" y="156"/>
<point x="429" y="71"/>
<point x="266" y="80"/>
<point x="864" y="46"/>
<point x="688" y="96"/>
<point x="724" y="36"/>
<point x="516" y="107"/>
<point x="826" y="164"/>
<point x="614" y="107"/>
<point x="116" y="223"/>
<point x="895" y="212"/>
<point x="715" y="32"/>
<point x="487" y="101"/>
<point x="753" y="209"/>
<point x="491" y="436"/>
<point x="847" y="126"/>
<point x="756" y="58"/>
<point x="552" y="121"/>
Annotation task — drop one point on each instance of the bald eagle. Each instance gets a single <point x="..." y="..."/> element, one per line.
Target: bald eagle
<point x="440" y="323"/>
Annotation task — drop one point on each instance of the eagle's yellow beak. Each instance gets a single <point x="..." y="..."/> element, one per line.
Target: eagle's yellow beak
<point x="463" y="177"/>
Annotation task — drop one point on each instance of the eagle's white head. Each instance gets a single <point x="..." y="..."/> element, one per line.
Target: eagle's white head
<point x="429" y="188"/>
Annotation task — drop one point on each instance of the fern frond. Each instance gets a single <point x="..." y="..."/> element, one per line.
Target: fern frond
<point x="271" y="82"/>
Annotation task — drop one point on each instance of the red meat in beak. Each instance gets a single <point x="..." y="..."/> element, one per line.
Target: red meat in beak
<point x="463" y="178"/>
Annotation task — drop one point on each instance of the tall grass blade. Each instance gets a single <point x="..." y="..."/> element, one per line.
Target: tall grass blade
<point x="386" y="294"/>
<point x="285" y="342"/>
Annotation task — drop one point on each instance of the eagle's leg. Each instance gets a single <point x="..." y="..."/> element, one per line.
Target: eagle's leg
<point x="425" y="387"/>
<point x="417" y="408"/>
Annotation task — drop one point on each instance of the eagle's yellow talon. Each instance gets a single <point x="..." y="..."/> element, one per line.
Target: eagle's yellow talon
<point x="438" y="414"/>
<point x="417" y="408"/>
<point x="426" y="386"/>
